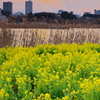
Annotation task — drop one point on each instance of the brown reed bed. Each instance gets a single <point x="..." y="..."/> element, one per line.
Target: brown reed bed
<point x="32" y="37"/>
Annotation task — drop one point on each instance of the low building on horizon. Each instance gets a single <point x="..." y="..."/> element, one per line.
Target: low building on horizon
<point x="18" y="14"/>
<point x="60" y="11"/>
<point x="97" y="12"/>
<point x="87" y="13"/>
<point x="3" y="17"/>
<point x="0" y="11"/>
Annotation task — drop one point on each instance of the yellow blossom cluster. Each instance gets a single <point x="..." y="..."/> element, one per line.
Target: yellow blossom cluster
<point x="50" y="72"/>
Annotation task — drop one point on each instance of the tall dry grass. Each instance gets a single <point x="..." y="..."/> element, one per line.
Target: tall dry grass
<point x="31" y="37"/>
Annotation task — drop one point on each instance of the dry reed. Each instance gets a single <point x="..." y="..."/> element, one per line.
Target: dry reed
<point x="31" y="37"/>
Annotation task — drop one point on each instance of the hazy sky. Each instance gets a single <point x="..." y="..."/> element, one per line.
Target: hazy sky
<point x="78" y="6"/>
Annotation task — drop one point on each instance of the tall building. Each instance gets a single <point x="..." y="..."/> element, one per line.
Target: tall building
<point x="28" y="7"/>
<point x="7" y="6"/>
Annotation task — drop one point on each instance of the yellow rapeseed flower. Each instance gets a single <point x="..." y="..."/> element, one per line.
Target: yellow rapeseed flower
<point x="7" y="95"/>
<point x="65" y="98"/>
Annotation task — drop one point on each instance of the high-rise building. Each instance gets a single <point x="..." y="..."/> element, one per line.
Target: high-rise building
<point x="7" y="6"/>
<point x="28" y="7"/>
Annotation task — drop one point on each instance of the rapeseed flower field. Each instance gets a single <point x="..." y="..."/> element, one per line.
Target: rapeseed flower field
<point x="50" y="72"/>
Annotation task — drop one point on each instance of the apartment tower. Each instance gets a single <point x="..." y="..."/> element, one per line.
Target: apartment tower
<point x="7" y="6"/>
<point x="28" y="7"/>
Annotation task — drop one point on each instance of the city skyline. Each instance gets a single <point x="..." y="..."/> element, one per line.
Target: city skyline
<point x="77" y="6"/>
